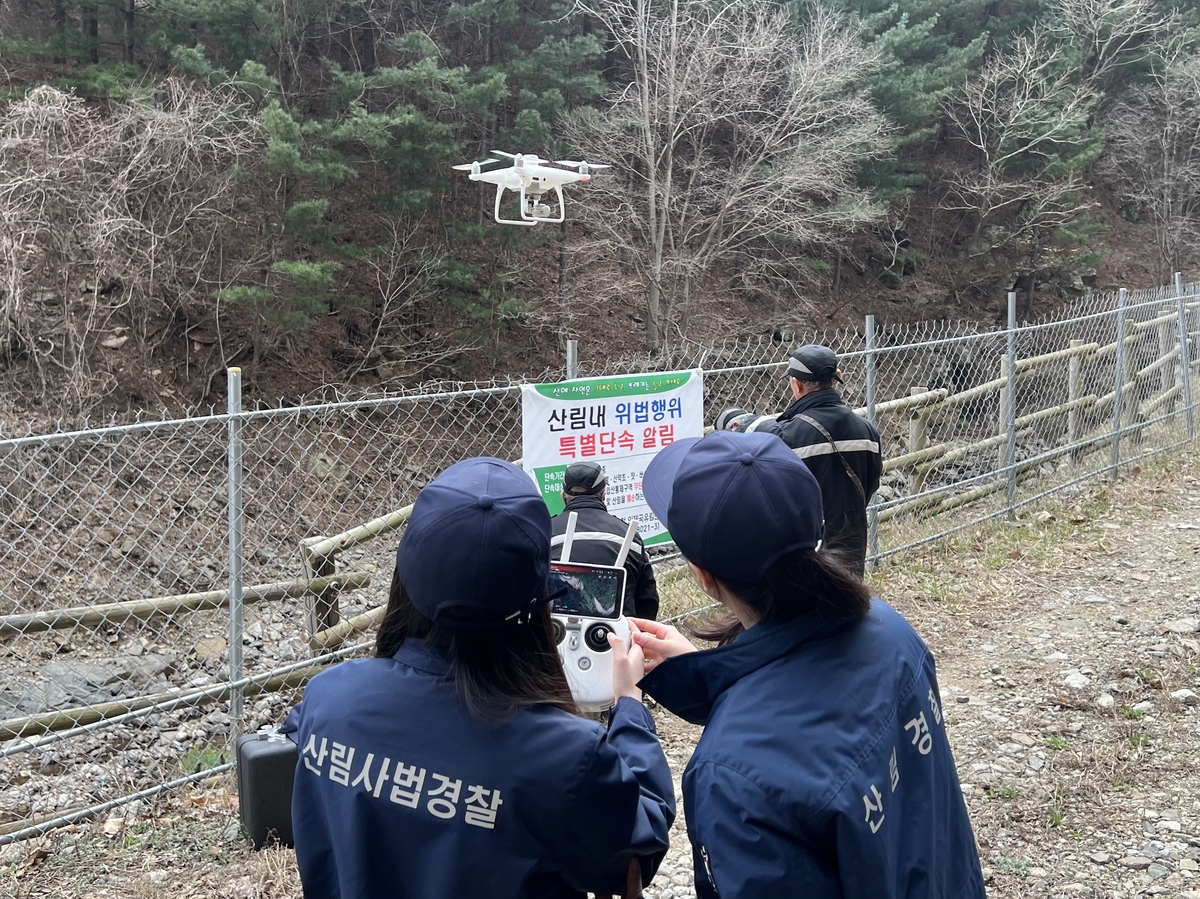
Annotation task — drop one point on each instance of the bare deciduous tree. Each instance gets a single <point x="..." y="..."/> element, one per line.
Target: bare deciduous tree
<point x="1153" y="153"/>
<point x="1026" y="120"/>
<point x="108" y="218"/>
<point x="1109" y="36"/>
<point x="736" y="126"/>
<point x="403" y="274"/>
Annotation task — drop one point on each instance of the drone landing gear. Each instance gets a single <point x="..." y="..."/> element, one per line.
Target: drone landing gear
<point x="504" y="221"/>
<point x="533" y="210"/>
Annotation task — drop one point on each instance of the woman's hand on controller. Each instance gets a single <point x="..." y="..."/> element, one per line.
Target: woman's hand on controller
<point x="629" y="665"/>
<point x="658" y="641"/>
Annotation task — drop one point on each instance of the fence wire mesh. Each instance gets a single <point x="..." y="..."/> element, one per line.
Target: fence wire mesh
<point x="94" y="527"/>
<point x="119" y="649"/>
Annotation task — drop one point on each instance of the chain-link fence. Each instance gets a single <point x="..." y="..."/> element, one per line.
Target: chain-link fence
<point x="167" y="584"/>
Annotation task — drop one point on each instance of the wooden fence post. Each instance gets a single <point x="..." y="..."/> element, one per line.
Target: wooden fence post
<point x="1166" y="343"/>
<point x="1167" y="334"/>
<point x="918" y="438"/>
<point x="323" y="610"/>
<point x="1074" y="414"/>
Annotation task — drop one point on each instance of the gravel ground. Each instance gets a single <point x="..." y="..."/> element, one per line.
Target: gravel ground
<point x="1067" y="649"/>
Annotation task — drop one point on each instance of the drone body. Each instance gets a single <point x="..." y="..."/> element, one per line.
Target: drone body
<point x="531" y="177"/>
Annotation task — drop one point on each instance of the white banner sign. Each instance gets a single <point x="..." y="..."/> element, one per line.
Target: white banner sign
<point x="619" y="422"/>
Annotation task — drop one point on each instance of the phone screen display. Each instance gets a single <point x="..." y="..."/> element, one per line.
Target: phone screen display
<point x="592" y="591"/>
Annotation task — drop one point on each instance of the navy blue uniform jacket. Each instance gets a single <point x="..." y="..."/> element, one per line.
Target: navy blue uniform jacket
<point x="401" y="794"/>
<point x="823" y="771"/>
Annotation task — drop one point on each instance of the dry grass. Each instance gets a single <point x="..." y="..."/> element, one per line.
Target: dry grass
<point x="183" y="847"/>
<point x="1060" y="786"/>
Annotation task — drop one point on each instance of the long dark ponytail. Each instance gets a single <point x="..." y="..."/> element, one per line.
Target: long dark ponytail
<point x="806" y="581"/>
<point x="496" y="671"/>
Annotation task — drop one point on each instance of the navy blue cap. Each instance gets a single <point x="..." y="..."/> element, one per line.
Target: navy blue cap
<point x="478" y="542"/>
<point x="735" y="503"/>
<point x="813" y="362"/>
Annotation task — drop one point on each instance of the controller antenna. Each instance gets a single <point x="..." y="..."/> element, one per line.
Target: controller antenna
<point x="569" y="537"/>
<point x="630" y="533"/>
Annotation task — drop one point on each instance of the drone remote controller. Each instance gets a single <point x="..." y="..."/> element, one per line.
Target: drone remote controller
<point x="587" y="658"/>
<point x="590" y="610"/>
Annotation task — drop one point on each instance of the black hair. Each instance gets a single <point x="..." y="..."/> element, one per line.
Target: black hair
<point x="802" y="582"/>
<point x="496" y="670"/>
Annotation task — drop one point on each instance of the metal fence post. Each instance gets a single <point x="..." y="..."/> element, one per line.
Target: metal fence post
<point x="234" y="490"/>
<point x="1010" y="410"/>
<point x="572" y="360"/>
<point x="1002" y="416"/>
<point x="1185" y="359"/>
<point x="872" y="506"/>
<point x="1119" y="396"/>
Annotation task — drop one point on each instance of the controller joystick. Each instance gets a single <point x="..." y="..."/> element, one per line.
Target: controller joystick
<point x="596" y="637"/>
<point x="588" y="660"/>
<point x="560" y="630"/>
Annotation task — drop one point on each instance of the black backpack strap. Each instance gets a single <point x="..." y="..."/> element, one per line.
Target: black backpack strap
<point x="808" y="419"/>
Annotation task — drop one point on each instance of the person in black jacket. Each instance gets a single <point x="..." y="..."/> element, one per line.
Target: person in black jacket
<point x="840" y="448"/>
<point x="599" y="535"/>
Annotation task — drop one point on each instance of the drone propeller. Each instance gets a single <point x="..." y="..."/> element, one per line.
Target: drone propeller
<point x="581" y="163"/>
<point x="472" y="166"/>
<point x="536" y="159"/>
<point x="582" y="166"/>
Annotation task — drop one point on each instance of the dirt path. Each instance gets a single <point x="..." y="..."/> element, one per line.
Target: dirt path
<point x="1067" y="652"/>
<point x="1067" y="658"/>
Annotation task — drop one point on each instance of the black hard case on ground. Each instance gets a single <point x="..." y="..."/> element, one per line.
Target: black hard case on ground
<point x="266" y="768"/>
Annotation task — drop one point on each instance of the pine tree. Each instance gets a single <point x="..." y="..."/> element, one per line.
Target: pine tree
<point x="920" y="61"/>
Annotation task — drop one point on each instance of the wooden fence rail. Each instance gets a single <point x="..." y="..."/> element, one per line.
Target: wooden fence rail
<point x="923" y="404"/>
<point x="143" y="609"/>
<point x="64" y="719"/>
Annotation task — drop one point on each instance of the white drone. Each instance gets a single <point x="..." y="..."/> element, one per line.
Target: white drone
<point x="531" y="177"/>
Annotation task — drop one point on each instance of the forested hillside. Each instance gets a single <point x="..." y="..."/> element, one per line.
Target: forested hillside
<point x="191" y="184"/>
